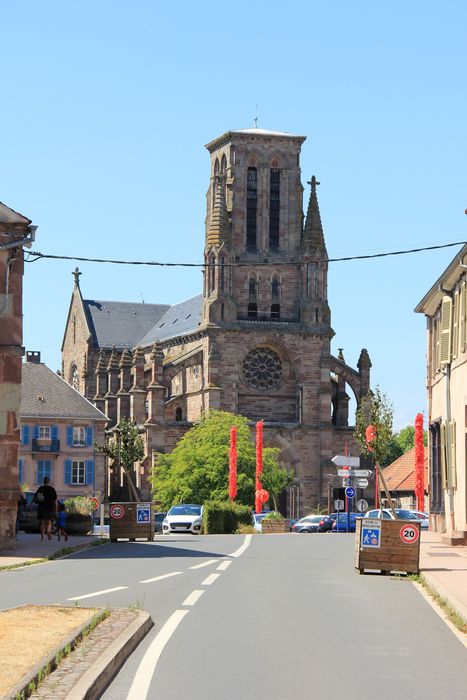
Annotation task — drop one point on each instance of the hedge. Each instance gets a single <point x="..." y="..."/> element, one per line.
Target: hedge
<point x="224" y="517"/>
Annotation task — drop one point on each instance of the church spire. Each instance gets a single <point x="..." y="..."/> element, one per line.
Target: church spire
<point x="313" y="237"/>
<point x="218" y="231"/>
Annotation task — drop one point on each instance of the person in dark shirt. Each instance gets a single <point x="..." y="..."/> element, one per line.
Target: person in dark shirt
<point x="46" y="499"/>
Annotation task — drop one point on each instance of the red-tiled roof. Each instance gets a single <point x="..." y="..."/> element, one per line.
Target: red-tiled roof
<point x="400" y="475"/>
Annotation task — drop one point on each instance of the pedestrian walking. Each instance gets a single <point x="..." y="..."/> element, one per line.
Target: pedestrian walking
<point x="46" y="499"/>
<point x="61" y="521"/>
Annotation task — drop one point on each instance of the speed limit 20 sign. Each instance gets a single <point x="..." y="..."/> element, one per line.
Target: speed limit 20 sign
<point x="409" y="534"/>
<point x="116" y="511"/>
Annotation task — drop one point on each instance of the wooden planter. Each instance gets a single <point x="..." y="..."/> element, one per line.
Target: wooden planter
<point x="131" y="521"/>
<point x="78" y="524"/>
<point x="269" y="527"/>
<point x="398" y="548"/>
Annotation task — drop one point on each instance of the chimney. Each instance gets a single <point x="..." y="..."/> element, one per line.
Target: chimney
<point x="33" y="356"/>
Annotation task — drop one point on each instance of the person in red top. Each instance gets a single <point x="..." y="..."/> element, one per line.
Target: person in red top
<point x="46" y="499"/>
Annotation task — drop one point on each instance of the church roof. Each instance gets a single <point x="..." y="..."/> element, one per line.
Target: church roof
<point x="263" y="132"/>
<point x="46" y="395"/>
<point x="10" y="216"/>
<point x="121" y="323"/>
<point x="180" y="319"/>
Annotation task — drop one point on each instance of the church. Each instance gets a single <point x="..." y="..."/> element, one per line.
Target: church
<point x="257" y="339"/>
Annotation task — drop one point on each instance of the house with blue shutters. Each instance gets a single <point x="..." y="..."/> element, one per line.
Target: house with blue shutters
<point x="59" y="428"/>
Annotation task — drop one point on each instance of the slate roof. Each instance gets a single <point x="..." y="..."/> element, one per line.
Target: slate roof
<point x="121" y="323"/>
<point x="180" y="319"/>
<point x="400" y="475"/>
<point x="57" y="398"/>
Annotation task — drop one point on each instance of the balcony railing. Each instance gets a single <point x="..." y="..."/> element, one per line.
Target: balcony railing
<point x="49" y="446"/>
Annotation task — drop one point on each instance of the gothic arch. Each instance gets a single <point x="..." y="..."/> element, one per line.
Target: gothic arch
<point x="349" y="375"/>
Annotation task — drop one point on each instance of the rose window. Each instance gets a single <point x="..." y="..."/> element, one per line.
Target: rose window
<point x="262" y="368"/>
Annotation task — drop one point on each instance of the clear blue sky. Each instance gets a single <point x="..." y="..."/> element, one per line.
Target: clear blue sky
<point x="106" y="107"/>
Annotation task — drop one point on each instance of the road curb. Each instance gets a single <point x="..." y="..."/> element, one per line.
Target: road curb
<point x="94" y="681"/>
<point x="450" y="598"/>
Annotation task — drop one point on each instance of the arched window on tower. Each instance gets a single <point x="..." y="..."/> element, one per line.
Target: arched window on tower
<point x="178" y="414"/>
<point x="222" y="275"/>
<point x="74" y="377"/>
<point x="274" y="208"/>
<point x="275" y="312"/>
<point x="223" y="165"/>
<point x="252" y="311"/>
<point x="212" y="273"/>
<point x="275" y="289"/>
<point x="214" y="180"/>
<point x="252" y="288"/>
<point x="251" y="208"/>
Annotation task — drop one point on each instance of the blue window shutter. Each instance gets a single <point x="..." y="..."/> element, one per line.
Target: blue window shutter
<point x="89" y="472"/>
<point x="24" y="434"/>
<point x="35" y="432"/>
<point x="20" y="471"/>
<point x="69" y="435"/>
<point x="68" y="472"/>
<point x="54" y="432"/>
<point x="48" y="468"/>
<point x="89" y="436"/>
<point x="40" y="471"/>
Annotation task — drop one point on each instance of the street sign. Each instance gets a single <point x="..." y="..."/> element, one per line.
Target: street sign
<point x="350" y="492"/>
<point x="371" y="533"/>
<point x="362" y="505"/>
<point x="143" y="512"/>
<point x="346" y="473"/>
<point x="94" y="503"/>
<point x="116" y="511"/>
<point x="338" y="504"/>
<point x="362" y="483"/>
<point x="362" y="472"/>
<point x="345" y="461"/>
<point x="409" y="534"/>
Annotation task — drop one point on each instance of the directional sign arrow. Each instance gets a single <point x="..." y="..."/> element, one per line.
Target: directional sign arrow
<point x="361" y="472"/>
<point x="345" y="461"/>
<point x="362" y="483"/>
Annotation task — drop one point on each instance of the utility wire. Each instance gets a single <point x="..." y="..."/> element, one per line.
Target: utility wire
<point x="33" y="256"/>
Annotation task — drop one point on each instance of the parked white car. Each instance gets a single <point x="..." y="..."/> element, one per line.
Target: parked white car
<point x="401" y="513"/>
<point x="184" y="517"/>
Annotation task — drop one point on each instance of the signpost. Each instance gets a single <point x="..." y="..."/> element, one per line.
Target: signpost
<point x="350" y="492"/>
<point x="362" y="505"/>
<point x="362" y="483"/>
<point x="363" y="473"/>
<point x="346" y="461"/>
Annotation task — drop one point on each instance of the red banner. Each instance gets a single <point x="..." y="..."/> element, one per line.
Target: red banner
<point x="233" y="463"/>
<point x="419" y="463"/>
<point x="259" y="466"/>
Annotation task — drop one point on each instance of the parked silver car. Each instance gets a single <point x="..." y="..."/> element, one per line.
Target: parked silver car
<point x="184" y="517"/>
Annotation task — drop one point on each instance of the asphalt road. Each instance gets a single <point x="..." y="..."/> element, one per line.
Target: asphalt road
<point x="278" y="616"/>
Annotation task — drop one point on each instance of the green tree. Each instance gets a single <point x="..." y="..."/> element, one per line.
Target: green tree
<point x="125" y="447"/>
<point x="375" y="410"/>
<point x="197" y="470"/>
<point x="275" y="479"/>
<point x="402" y="442"/>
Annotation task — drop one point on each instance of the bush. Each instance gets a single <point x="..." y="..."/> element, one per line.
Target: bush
<point x="273" y="515"/>
<point x="79" y="504"/>
<point x="224" y="517"/>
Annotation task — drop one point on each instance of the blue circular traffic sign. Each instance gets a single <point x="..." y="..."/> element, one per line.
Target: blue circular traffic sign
<point x="350" y="492"/>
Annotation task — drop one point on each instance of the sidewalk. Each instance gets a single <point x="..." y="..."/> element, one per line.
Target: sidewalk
<point x="30" y="548"/>
<point x="445" y="569"/>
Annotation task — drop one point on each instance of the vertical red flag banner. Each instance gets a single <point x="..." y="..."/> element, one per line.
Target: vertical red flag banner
<point x="259" y="466"/>
<point x="419" y="462"/>
<point x="370" y="437"/>
<point x="233" y="463"/>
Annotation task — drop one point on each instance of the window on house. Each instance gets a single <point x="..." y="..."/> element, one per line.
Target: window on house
<point x="43" y="468"/>
<point x="274" y="208"/>
<point x="44" y="432"/>
<point x="78" y="472"/>
<point x="275" y="312"/>
<point x="251" y="208"/>
<point x="252" y="311"/>
<point x="252" y="288"/>
<point x="79" y="436"/>
<point x="275" y="289"/>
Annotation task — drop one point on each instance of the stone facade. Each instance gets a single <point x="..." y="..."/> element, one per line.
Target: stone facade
<point x="15" y="231"/>
<point x="257" y="342"/>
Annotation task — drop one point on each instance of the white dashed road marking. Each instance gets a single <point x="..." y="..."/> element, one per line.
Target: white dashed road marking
<point x="91" y="595"/>
<point x="224" y="565"/>
<point x="193" y="598"/>
<point x="238" y="552"/>
<point x="160" y="578"/>
<point x="210" y="579"/>
<point x="205" y="563"/>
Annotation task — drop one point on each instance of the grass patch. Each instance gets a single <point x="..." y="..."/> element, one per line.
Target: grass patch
<point x="56" y="555"/>
<point x="453" y="616"/>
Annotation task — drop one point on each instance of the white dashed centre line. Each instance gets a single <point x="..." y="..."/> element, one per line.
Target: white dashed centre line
<point x="210" y="579"/>
<point x="193" y="598"/>
<point x="205" y="563"/>
<point x="160" y="578"/>
<point x="224" y="565"/>
<point x="91" y="595"/>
